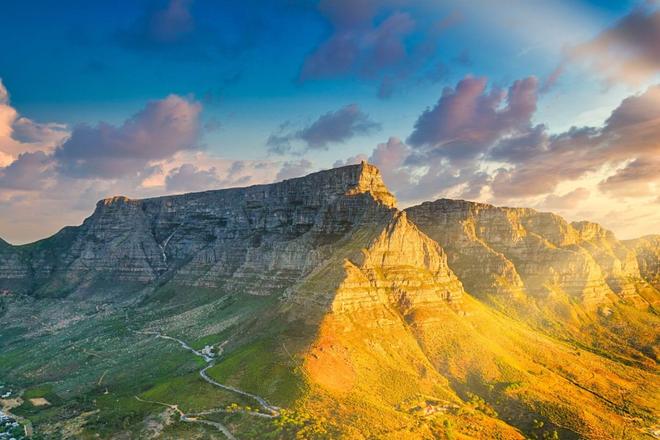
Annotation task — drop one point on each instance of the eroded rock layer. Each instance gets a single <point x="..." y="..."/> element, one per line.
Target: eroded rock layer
<point x="505" y="250"/>
<point x="263" y="237"/>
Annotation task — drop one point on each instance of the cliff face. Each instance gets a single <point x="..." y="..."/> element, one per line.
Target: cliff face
<point x="262" y="236"/>
<point x="507" y="250"/>
<point x="647" y="253"/>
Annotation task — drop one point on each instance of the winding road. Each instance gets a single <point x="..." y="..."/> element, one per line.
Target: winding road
<point x="271" y="411"/>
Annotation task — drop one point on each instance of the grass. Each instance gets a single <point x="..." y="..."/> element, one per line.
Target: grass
<point x="261" y="367"/>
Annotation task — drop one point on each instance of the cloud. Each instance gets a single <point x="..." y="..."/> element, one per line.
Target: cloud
<point x="639" y="178"/>
<point x="4" y="94"/>
<point x="200" y="31"/>
<point x="188" y="177"/>
<point x="333" y="127"/>
<point x="30" y="132"/>
<point x="374" y="40"/>
<point x="163" y="128"/>
<point x="353" y="160"/>
<point x="291" y="169"/>
<point x="30" y="171"/>
<point x="19" y="134"/>
<point x="628" y="51"/>
<point x="631" y="133"/>
<point x="481" y="144"/>
<point x="570" y="200"/>
<point x="467" y="119"/>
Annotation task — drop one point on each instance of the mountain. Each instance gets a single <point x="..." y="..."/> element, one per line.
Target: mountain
<point x="647" y="252"/>
<point x="314" y="308"/>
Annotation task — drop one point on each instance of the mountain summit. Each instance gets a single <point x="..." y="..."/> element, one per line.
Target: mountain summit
<point x="314" y="308"/>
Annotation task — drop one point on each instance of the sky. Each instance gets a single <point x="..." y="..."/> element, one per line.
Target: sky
<point x="548" y="104"/>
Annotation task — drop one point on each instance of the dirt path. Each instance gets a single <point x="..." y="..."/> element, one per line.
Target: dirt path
<point x="189" y="418"/>
<point x="271" y="411"/>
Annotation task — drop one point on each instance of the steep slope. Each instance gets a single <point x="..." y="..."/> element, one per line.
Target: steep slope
<point x="402" y="341"/>
<point x="574" y="280"/>
<point x="647" y="252"/>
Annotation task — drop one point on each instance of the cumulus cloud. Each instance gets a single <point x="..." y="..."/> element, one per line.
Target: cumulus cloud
<point x="467" y="119"/>
<point x="30" y="171"/>
<point x="631" y="133"/>
<point x="188" y="177"/>
<point x="330" y="128"/>
<point x="152" y="153"/>
<point x="19" y="134"/>
<point x="163" y="128"/>
<point x="477" y="143"/>
<point x="639" y="178"/>
<point x="628" y="51"/>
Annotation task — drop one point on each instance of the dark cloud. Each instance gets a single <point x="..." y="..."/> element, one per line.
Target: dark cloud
<point x="30" y="171"/>
<point x="628" y="51"/>
<point x="337" y="127"/>
<point x="468" y="119"/>
<point x="160" y="130"/>
<point x="188" y="177"/>
<point x="330" y="128"/>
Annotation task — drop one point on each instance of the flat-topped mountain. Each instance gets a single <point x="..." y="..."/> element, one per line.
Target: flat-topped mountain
<point x="274" y="232"/>
<point x="337" y="314"/>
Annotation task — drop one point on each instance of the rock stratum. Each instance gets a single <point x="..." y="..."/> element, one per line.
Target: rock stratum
<point x="450" y="319"/>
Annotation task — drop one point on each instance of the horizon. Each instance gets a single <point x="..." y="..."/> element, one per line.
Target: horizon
<point x="555" y="108"/>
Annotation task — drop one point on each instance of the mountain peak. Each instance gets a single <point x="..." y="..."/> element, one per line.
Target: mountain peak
<point x="371" y="181"/>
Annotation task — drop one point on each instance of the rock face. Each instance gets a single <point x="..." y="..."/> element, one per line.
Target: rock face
<point x="509" y="250"/>
<point x="401" y="268"/>
<point x="647" y="252"/>
<point x="263" y="236"/>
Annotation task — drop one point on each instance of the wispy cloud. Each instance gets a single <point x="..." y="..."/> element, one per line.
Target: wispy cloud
<point x="333" y="127"/>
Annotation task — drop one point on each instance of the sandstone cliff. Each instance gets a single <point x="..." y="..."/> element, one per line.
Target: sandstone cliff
<point x="647" y="252"/>
<point x="263" y="237"/>
<point x="503" y="250"/>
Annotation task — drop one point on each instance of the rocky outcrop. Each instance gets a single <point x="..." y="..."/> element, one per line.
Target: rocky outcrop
<point x="262" y="237"/>
<point x="402" y="268"/>
<point x="503" y="250"/>
<point x="647" y="253"/>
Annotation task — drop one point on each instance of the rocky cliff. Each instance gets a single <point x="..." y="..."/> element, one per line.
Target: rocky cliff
<point x="509" y="250"/>
<point x="263" y="236"/>
<point x="647" y="252"/>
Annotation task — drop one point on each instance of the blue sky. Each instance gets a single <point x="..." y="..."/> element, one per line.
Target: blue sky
<point x="255" y="80"/>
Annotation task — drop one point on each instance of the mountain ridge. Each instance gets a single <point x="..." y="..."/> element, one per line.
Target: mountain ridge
<point x="450" y="319"/>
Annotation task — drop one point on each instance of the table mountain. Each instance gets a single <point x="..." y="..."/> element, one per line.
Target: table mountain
<point x="326" y="312"/>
